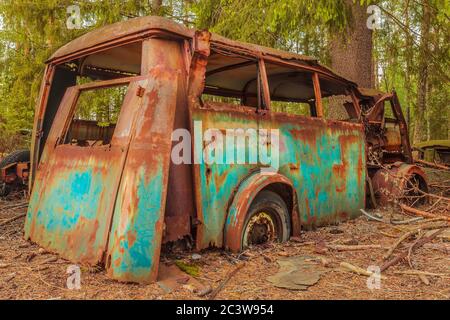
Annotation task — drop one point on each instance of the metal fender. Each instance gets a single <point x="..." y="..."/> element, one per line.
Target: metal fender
<point x="390" y="183"/>
<point x="242" y="200"/>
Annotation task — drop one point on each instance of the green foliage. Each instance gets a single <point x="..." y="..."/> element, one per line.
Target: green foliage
<point x="101" y="105"/>
<point x="30" y="31"/>
<point x="301" y="109"/>
<point x="396" y="52"/>
<point x="291" y="25"/>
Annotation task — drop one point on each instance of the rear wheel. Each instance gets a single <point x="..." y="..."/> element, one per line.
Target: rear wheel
<point x="267" y="220"/>
<point x="15" y="156"/>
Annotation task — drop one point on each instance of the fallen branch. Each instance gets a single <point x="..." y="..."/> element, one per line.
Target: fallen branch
<point x="430" y="209"/>
<point x="370" y="216"/>
<point x="354" y="247"/>
<point x="437" y="184"/>
<point x="387" y="234"/>
<point x="418" y="244"/>
<point x="418" y="272"/>
<point x="49" y="260"/>
<point x="425" y="214"/>
<point x="408" y="257"/>
<point x="407" y="235"/>
<point x="408" y="221"/>
<point x="436" y="219"/>
<point x="225" y="281"/>
<point x="13" y="219"/>
<point x="432" y="195"/>
<point x="15" y="205"/>
<point x="443" y="247"/>
<point x="358" y="270"/>
<point x="431" y="164"/>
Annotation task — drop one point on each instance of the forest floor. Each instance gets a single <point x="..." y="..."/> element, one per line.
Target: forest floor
<point x="28" y="272"/>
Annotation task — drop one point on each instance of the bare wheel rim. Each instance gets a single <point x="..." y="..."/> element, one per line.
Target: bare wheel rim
<point x="412" y="195"/>
<point x="261" y="228"/>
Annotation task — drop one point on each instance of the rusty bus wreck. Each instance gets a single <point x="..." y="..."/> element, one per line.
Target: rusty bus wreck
<point x="109" y="193"/>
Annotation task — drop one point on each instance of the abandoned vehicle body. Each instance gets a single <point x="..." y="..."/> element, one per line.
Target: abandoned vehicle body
<point x="104" y="186"/>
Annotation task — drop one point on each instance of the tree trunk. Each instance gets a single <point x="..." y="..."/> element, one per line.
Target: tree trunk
<point x="409" y="71"/>
<point x="156" y="7"/>
<point x="351" y="57"/>
<point x="420" y="132"/>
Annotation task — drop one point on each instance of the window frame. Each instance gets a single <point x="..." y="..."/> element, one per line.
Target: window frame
<point x="87" y="87"/>
<point x="262" y="91"/>
<point x="316" y="110"/>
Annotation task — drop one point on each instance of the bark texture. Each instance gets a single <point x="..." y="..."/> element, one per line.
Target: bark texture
<point x="420" y="128"/>
<point x="351" y="55"/>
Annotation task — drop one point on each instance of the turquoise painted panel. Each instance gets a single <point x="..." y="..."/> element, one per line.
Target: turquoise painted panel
<point x="69" y="212"/>
<point x="137" y="227"/>
<point x="325" y="161"/>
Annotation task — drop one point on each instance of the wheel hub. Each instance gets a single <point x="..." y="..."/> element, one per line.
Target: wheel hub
<point x="260" y="229"/>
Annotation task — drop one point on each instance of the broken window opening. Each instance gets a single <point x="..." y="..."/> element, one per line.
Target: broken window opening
<point x="291" y="90"/>
<point x="294" y="108"/>
<point x="233" y="79"/>
<point x="95" y="116"/>
<point x="118" y="62"/>
<point x="112" y="63"/>
<point x="337" y="102"/>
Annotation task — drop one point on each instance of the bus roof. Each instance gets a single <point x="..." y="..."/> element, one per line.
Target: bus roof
<point x="153" y="25"/>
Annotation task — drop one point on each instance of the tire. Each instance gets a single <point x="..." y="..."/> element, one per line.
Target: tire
<point x="13" y="157"/>
<point x="4" y="189"/>
<point x="16" y="156"/>
<point x="267" y="220"/>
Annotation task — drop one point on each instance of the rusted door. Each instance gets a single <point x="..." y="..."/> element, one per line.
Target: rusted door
<point x="136" y="233"/>
<point x="73" y="197"/>
<point x="78" y="189"/>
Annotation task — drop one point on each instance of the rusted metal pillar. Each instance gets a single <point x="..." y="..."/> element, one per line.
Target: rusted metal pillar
<point x="318" y="94"/>
<point x="264" y="84"/>
<point x="161" y="52"/>
<point x="179" y="207"/>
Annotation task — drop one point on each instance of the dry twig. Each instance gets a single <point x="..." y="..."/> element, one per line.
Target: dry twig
<point x="425" y="214"/>
<point x="225" y="281"/>
<point x="358" y="270"/>
<point x="420" y="243"/>
<point x="409" y="234"/>
<point x="13" y="219"/>
<point x="431" y="164"/>
<point x="371" y="216"/>
<point x="354" y="247"/>
<point x="425" y="273"/>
